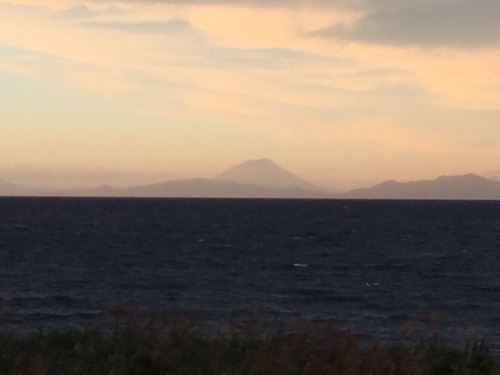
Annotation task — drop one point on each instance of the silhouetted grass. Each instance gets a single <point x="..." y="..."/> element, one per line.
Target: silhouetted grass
<point x="175" y="345"/>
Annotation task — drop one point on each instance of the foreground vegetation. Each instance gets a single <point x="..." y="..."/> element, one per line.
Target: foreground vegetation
<point x="169" y="345"/>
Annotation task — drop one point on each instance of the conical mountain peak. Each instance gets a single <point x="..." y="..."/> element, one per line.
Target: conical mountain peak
<point x="266" y="173"/>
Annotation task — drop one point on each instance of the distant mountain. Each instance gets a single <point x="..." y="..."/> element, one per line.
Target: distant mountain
<point x="10" y="189"/>
<point x="200" y="188"/>
<point x="265" y="173"/>
<point x="469" y="186"/>
<point x="265" y="179"/>
<point x="251" y="179"/>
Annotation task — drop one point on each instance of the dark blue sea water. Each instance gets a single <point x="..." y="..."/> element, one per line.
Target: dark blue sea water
<point x="372" y="265"/>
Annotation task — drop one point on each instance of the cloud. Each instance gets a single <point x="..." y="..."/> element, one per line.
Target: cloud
<point x="161" y="27"/>
<point x="175" y="56"/>
<point x="248" y="3"/>
<point x="425" y="23"/>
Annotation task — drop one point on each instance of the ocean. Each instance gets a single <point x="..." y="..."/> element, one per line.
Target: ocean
<point x="383" y="268"/>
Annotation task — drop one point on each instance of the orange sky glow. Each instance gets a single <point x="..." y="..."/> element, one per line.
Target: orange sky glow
<point x="342" y="93"/>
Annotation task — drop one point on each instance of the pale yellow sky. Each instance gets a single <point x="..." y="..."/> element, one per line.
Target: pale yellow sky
<point x="342" y="93"/>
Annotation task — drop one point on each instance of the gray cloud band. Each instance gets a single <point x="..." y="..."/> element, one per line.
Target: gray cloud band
<point x="451" y="23"/>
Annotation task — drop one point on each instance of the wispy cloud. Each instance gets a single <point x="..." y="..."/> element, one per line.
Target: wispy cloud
<point x="176" y="40"/>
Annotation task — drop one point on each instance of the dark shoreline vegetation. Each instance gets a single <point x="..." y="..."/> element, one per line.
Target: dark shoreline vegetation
<point x="176" y="345"/>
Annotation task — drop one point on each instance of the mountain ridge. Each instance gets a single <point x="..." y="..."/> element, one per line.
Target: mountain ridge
<point x="263" y="178"/>
<point x="202" y="188"/>
<point x="467" y="186"/>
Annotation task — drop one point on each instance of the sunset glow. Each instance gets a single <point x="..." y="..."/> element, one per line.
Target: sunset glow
<point x="343" y="93"/>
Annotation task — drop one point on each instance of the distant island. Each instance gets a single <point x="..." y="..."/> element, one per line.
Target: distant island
<point x="263" y="178"/>
<point x="469" y="186"/>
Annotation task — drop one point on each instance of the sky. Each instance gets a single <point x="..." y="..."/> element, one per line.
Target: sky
<point x="344" y="93"/>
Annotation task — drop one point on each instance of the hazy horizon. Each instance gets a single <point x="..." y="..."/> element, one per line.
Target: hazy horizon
<point x="87" y="179"/>
<point x="343" y="94"/>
